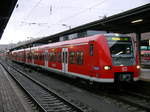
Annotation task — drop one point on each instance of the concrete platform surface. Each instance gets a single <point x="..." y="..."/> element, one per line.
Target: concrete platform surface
<point x="145" y="74"/>
<point x="9" y="100"/>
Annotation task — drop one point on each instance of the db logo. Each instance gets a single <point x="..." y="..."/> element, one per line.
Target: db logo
<point x="124" y="69"/>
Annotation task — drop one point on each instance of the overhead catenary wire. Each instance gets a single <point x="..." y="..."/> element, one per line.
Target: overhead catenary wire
<point x="78" y="13"/>
<point x="67" y="18"/>
<point x="34" y="7"/>
<point x="25" y="22"/>
<point x="82" y="11"/>
<point x="46" y="25"/>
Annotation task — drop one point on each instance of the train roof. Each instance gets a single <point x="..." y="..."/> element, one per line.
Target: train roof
<point x="79" y="40"/>
<point x="85" y="39"/>
<point x="68" y="42"/>
<point x="74" y="41"/>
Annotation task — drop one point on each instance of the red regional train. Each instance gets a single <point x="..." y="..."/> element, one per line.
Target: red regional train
<point x="104" y="58"/>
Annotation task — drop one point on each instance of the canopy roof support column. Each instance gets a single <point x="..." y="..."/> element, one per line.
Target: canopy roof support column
<point x="138" y="38"/>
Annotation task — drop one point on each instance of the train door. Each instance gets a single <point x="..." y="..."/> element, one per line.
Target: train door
<point x="46" y="58"/>
<point x="65" y="60"/>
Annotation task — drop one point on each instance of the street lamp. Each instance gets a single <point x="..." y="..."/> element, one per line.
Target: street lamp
<point x="30" y="45"/>
<point x="29" y="40"/>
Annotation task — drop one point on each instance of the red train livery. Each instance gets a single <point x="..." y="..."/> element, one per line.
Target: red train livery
<point x="101" y="58"/>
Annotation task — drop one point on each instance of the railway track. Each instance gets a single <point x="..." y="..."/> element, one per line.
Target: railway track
<point x="45" y="99"/>
<point x="141" y="102"/>
<point x="135" y="99"/>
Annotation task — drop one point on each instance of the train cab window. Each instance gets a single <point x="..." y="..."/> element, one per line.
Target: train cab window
<point x="91" y="49"/>
<point x="59" y="57"/>
<point x="79" y="58"/>
<point x="72" y="58"/>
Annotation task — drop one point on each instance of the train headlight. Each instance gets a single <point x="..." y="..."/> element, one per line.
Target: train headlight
<point x="107" y="67"/>
<point x="138" y="67"/>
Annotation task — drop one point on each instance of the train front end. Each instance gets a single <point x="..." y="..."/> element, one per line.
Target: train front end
<point x="123" y="64"/>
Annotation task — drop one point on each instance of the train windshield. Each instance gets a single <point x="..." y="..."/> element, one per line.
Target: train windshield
<point x="120" y="46"/>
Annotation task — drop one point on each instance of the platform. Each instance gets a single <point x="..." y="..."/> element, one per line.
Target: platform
<point x="9" y="100"/>
<point x="145" y="74"/>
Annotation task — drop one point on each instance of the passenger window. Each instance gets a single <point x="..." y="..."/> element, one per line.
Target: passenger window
<point x="79" y="58"/>
<point x="91" y="49"/>
<point x="30" y="56"/>
<point x="50" y="57"/>
<point x="54" y="57"/>
<point x="39" y="56"/>
<point x="59" y="57"/>
<point x="42" y="56"/>
<point x="72" y="58"/>
<point x="35" y="56"/>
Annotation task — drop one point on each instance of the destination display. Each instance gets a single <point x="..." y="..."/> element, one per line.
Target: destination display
<point x="118" y="38"/>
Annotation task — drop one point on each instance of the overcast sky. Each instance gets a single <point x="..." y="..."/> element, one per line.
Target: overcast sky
<point x="38" y="18"/>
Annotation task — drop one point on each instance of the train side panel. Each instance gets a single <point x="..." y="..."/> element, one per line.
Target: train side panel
<point x="89" y="58"/>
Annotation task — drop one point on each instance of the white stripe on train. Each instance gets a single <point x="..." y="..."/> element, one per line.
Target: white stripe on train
<point x="71" y="74"/>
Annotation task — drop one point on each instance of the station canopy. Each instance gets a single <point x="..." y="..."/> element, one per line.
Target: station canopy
<point x="6" y="8"/>
<point x="136" y="20"/>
